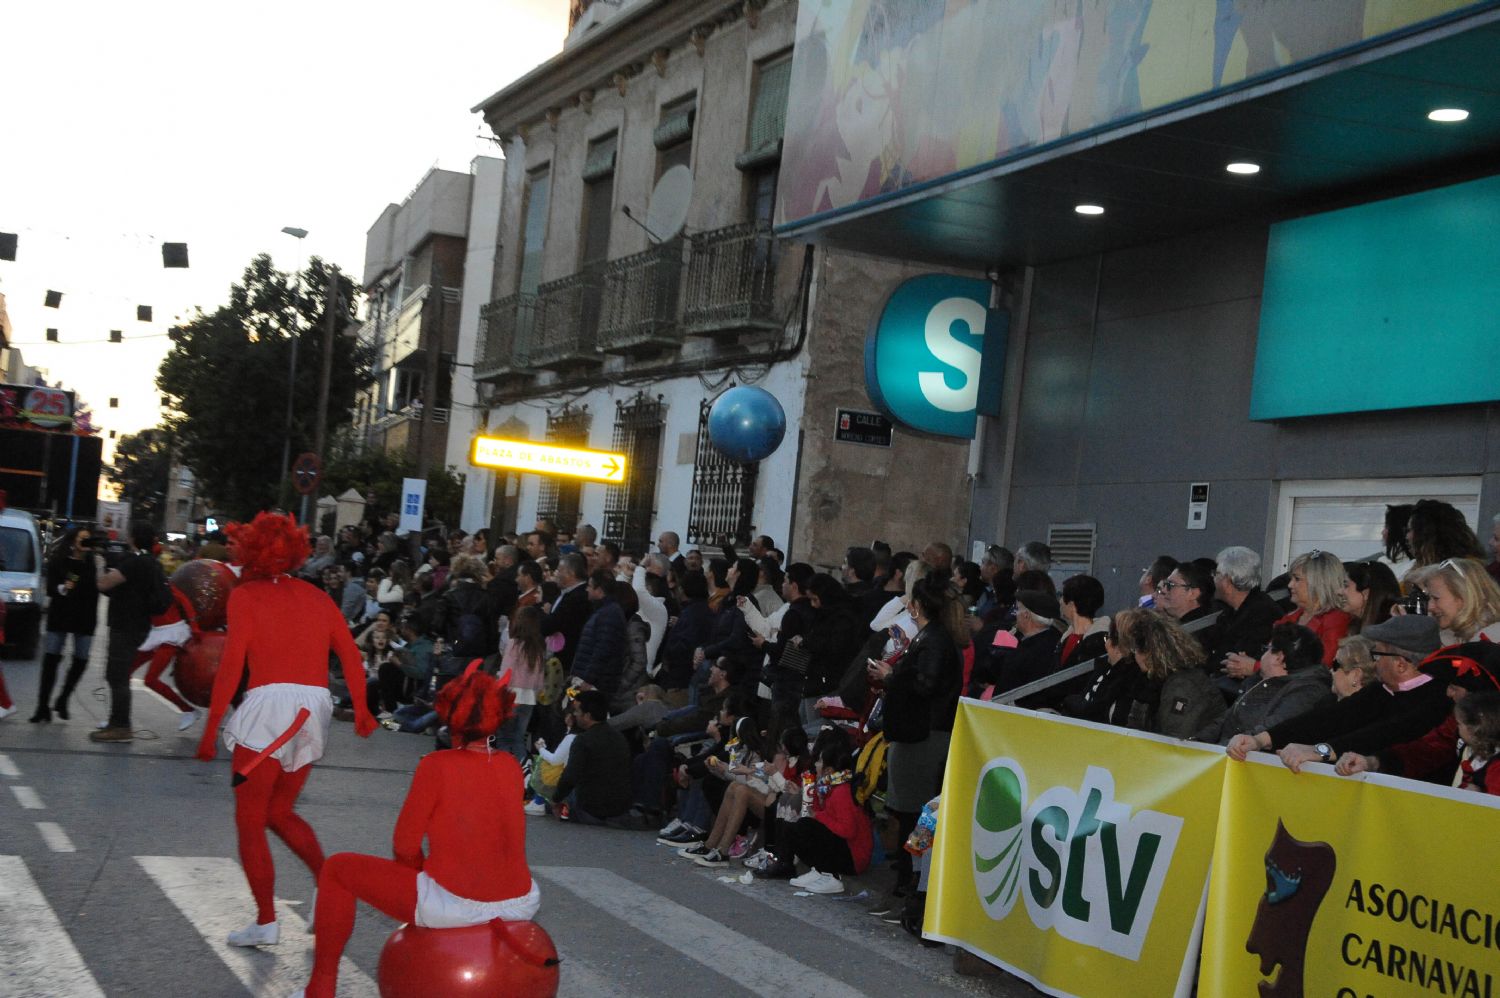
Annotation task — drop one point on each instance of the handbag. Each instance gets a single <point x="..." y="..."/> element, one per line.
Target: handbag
<point x="796" y="658"/>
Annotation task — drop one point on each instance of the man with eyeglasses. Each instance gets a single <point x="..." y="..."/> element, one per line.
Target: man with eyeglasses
<point x="1410" y="700"/>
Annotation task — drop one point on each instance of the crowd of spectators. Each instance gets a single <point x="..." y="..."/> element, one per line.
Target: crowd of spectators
<point x="756" y="710"/>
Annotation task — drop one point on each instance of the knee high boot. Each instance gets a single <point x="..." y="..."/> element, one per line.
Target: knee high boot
<point x="75" y="673"/>
<point x="48" y="679"/>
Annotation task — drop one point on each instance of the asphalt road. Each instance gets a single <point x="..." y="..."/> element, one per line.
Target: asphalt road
<point x="118" y="877"/>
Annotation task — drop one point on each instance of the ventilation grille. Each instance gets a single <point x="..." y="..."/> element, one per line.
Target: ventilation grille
<point x="1072" y="547"/>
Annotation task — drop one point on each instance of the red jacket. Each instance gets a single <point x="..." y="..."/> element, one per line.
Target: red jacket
<point x="1434" y="757"/>
<point x="846" y="819"/>
<point x="1330" y="626"/>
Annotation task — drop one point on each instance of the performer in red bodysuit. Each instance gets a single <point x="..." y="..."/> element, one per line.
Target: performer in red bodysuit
<point x="284" y="628"/>
<point x="169" y="632"/>
<point x="466" y="802"/>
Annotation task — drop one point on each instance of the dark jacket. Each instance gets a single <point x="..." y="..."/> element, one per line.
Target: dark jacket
<point x="1373" y="719"/>
<point x="74" y="612"/>
<point x="599" y="770"/>
<point x="868" y="598"/>
<point x="690" y="633"/>
<point x="1009" y="668"/>
<point x="567" y="618"/>
<point x="600" y="660"/>
<point x="730" y="637"/>
<point x="634" y="673"/>
<point x="464" y="597"/>
<point x="798" y="621"/>
<point x="1269" y="702"/>
<point x="1107" y="698"/>
<point x="837" y="634"/>
<point x="921" y="693"/>
<point x="1188" y="701"/>
<point x="710" y="703"/>
<point x="1090" y="648"/>
<point x="503" y="591"/>
<point x="1244" y="631"/>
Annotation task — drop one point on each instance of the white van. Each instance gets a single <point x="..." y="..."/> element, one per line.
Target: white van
<point x="21" y="583"/>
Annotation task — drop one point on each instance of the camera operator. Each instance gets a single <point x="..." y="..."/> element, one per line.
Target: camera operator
<point x="128" y="580"/>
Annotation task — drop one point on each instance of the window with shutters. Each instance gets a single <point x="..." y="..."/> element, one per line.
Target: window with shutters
<point x="558" y="500"/>
<point x="767" y="113"/>
<point x="534" y="229"/>
<point x="1072" y="547"/>
<point x="723" y="491"/>
<point x="628" y="508"/>
<point x="673" y="136"/>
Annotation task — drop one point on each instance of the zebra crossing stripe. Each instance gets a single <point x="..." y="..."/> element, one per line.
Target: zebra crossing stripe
<point x="37" y="956"/>
<point x="212" y="895"/>
<point x="8" y="767"/>
<point x="750" y="964"/>
<point x="57" y="840"/>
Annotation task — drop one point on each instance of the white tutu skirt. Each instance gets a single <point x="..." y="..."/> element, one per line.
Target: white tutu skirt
<point x="177" y="633"/>
<point x="439" y="908"/>
<point x="267" y="711"/>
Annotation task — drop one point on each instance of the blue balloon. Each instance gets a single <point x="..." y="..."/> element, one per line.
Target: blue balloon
<point x="746" y="424"/>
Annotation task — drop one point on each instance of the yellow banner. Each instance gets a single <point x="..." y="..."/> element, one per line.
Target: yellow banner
<point x="1074" y="855"/>
<point x="1352" y="887"/>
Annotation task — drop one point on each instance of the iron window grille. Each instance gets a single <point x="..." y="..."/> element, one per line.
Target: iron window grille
<point x="723" y="491"/>
<point x="629" y="508"/>
<point x="559" y="498"/>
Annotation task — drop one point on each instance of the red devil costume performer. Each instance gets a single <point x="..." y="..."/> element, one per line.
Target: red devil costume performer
<point x="466" y="802"/>
<point x="284" y="629"/>
<point x="170" y="630"/>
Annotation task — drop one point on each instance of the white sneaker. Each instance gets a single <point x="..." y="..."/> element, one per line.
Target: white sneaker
<point x="102" y="724"/>
<point x="188" y="719"/>
<point x="535" y="807"/>
<point x="256" y="934"/>
<point x="826" y="883"/>
<point x="805" y="879"/>
<point x="673" y="827"/>
<point x="6" y="712"/>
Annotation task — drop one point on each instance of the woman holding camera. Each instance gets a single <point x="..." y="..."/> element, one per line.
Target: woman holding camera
<point x="1464" y="601"/>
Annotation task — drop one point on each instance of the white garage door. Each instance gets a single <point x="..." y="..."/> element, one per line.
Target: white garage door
<point x="1345" y="517"/>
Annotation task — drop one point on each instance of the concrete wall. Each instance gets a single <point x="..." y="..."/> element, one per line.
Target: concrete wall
<point x="1136" y="382"/>
<point x="488" y="179"/>
<point x="908" y="495"/>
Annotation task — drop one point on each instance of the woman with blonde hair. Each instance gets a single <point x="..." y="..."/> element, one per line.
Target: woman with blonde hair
<point x="1464" y="600"/>
<point x="1173" y="695"/>
<point x="1316" y="580"/>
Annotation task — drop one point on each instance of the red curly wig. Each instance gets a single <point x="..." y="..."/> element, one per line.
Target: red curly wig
<point x="269" y="545"/>
<point x="474" y="705"/>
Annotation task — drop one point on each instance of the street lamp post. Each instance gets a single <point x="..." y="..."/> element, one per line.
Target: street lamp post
<point x="291" y="393"/>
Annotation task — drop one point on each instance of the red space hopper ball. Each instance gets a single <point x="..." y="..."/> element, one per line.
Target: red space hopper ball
<point x="509" y="959"/>
<point x="206" y="584"/>
<point x="196" y="666"/>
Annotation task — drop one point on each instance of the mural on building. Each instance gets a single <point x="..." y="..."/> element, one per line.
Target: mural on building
<point x="887" y="94"/>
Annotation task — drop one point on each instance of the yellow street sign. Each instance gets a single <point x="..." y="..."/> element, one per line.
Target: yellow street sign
<point x="547" y="459"/>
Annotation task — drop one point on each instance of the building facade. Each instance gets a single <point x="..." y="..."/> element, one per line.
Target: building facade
<point x="638" y="278"/>
<point x="416" y="262"/>
<point x="1240" y="257"/>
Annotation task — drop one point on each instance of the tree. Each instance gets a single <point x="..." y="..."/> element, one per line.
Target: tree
<point x="377" y="476"/>
<point x="142" y="469"/>
<point x="226" y="378"/>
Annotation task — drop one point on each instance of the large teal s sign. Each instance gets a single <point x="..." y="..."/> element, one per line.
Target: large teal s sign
<point x="935" y="356"/>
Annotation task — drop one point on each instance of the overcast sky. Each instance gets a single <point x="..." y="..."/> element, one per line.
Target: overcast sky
<point x="125" y="124"/>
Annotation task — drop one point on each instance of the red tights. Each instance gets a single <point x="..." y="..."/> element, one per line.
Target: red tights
<point x="160" y="657"/>
<point x="5" y="701"/>
<point x="385" y="884"/>
<point x="265" y="800"/>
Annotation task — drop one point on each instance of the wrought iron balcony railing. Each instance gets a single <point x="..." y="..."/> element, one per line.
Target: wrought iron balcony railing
<point x="506" y="327"/>
<point x="731" y="281"/>
<point x="641" y="295"/>
<point x="564" y="333"/>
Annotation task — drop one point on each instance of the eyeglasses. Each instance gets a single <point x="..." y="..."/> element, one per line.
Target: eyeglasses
<point x="1168" y="586"/>
<point x="1377" y="655"/>
<point x="1457" y="565"/>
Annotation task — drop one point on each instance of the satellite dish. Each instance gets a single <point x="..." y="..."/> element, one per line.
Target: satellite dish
<point x="666" y="213"/>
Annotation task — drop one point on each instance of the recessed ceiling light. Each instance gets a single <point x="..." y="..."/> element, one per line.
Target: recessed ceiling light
<point x="1447" y="114"/>
<point x="1089" y="209"/>
<point x="1243" y="168"/>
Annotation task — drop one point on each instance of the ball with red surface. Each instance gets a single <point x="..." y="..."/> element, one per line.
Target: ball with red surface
<point x="513" y="959"/>
<point x="206" y="584"/>
<point x="197" y="664"/>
